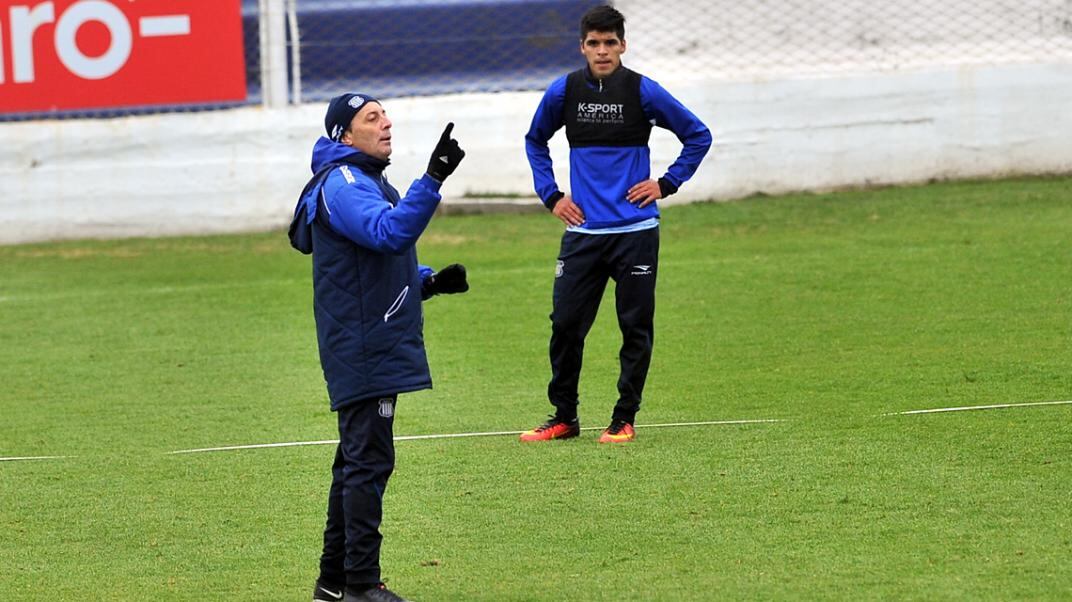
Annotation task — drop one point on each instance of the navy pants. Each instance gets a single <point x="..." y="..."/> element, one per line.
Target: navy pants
<point x="364" y="461"/>
<point x="585" y="263"/>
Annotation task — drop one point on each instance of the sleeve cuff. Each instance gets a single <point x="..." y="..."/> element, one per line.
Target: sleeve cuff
<point x="666" y="187"/>
<point x="433" y="183"/>
<point x="554" y="199"/>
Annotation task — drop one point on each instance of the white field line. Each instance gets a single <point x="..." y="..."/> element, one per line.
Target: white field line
<point x="257" y="446"/>
<point x="998" y="406"/>
<point x="708" y="423"/>
<point x="457" y="435"/>
<point x="591" y="428"/>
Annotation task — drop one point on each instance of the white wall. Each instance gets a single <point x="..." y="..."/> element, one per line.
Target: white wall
<point x="778" y="127"/>
<point x="241" y="170"/>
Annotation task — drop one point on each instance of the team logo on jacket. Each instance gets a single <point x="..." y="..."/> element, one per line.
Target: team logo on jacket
<point x="600" y="112"/>
<point x="387" y="407"/>
<point x="641" y="270"/>
<point x="560" y="266"/>
<point x="346" y="174"/>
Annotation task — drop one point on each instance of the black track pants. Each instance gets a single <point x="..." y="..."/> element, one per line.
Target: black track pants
<point x="585" y="263"/>
<point x="364" y="461"/>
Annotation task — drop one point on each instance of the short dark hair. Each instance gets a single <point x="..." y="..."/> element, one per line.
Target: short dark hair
<point x="603" y="19"/>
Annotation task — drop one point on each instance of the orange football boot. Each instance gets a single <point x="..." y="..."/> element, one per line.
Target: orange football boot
<point x="555" y="428"/>
<point x="619" y="431"/>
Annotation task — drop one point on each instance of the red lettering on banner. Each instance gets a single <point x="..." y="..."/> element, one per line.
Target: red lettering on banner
<point x="84" y="54"/>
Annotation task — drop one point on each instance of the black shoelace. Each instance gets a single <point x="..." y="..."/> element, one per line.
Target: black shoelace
<point x="551" y="422"/>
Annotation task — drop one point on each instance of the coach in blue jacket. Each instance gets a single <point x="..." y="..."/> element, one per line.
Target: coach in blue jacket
<point x="611" y="216"/>
<point x="367" y="294"/>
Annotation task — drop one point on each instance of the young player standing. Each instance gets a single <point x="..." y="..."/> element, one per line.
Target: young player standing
<point x="611" y="216"/>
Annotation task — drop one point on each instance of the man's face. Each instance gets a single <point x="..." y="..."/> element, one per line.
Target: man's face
<point x="370" y="131"/>
<point x="604" y="51"/>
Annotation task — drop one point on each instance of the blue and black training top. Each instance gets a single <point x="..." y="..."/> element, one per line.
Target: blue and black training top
<point x="608" y="122"/>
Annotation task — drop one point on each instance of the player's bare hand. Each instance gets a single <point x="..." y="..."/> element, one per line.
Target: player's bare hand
<point x="568" y="211"/>
<point x="644" y="193"/>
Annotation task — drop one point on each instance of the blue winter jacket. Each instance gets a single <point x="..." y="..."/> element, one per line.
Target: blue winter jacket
<point x="602" y="172"/>
<point x="366" y="279"/>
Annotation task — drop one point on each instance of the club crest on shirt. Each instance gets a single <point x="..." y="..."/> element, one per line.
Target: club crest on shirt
<point x="387" y="407"/>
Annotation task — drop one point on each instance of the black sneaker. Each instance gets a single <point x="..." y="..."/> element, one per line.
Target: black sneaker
<point x="380" y="593"/>
<point x="324" y="592"/>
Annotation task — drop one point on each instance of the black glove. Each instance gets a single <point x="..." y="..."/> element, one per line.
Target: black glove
<point x="446" y="156"/>
<point x="449" y="280"/>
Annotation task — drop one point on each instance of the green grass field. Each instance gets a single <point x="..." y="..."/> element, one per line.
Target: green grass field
<point x="824" y="312"/>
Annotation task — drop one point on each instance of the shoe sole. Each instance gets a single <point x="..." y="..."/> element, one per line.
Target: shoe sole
<point x="568" y="436"/>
